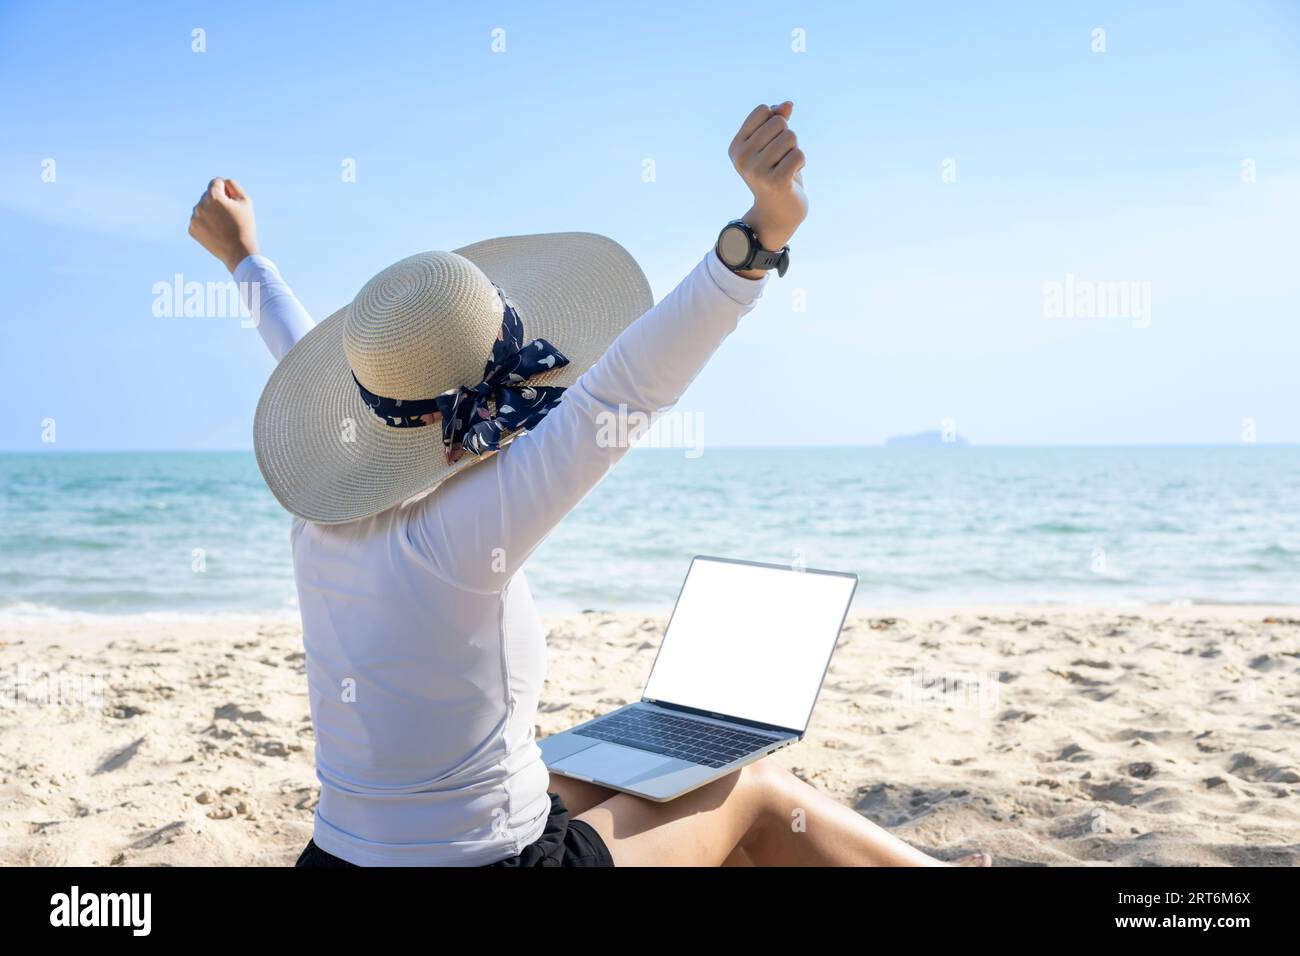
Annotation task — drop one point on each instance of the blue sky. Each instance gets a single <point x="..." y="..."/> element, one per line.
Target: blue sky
<point x="924" y="298"/>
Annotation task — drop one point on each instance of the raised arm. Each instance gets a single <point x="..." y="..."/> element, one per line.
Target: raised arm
<point x="482" y="525"/>
<point x="223" y="223"/>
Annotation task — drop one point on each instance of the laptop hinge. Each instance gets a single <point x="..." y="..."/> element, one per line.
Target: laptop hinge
<point x="757" y="725"/>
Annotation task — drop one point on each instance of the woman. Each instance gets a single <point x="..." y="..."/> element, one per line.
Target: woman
<point x="425" y="656"/>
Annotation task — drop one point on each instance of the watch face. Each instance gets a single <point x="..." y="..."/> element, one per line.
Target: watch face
<point x="733" y="246"/>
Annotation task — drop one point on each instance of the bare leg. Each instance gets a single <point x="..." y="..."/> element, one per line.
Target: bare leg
<point x="578" y="795"/>
<point x="738" y="857"/>
<point x="770" y="815"/>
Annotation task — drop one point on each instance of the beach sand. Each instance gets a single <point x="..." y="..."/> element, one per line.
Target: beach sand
<point x="1042" y="735"/>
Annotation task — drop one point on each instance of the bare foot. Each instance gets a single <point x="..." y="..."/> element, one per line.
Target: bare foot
<point x="973" y="859"/>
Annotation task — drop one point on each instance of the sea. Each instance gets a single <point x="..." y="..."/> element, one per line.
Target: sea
<point x="199" y="533"/>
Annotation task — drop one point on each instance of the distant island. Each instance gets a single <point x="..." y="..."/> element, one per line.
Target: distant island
<point x="925" y="440"/>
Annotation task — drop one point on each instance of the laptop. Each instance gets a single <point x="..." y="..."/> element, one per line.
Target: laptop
<point x="736" y="678"/>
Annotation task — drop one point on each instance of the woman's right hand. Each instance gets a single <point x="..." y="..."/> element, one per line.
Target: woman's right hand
<point x="223" y="223"/>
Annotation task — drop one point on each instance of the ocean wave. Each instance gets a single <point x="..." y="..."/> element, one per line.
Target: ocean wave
<point x="1276" y="550"/>
<point x="27" y="613"/>
<point x="1061" y="527"/>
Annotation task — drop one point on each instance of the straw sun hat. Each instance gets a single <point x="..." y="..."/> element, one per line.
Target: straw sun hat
<point x="429" y="326"/>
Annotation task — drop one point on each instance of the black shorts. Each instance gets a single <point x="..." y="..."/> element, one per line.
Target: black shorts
<point x="564" y="842"/>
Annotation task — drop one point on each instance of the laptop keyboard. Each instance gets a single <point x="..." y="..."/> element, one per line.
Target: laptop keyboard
<point x="698" y="741"/>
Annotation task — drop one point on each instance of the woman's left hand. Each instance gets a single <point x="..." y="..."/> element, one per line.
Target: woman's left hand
<point x="766" y="153"/>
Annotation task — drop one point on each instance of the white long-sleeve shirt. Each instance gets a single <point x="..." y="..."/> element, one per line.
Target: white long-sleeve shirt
<point x="425" y="655"/>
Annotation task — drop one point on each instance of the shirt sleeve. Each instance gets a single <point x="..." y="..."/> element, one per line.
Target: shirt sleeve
<point x="481" y="526"/>
<point x="279" y="316"/>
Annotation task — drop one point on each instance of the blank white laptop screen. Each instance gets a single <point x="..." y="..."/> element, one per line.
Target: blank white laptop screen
<point x="751" y="641"/>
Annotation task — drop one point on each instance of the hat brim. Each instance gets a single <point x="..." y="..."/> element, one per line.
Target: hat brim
<point x="328" y="458"/>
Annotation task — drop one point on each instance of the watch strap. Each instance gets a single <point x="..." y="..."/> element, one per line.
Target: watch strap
<point x="763" y="259"/>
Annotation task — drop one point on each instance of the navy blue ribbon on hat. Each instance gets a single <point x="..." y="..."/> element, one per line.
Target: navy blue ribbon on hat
<point x="477" y="418"/>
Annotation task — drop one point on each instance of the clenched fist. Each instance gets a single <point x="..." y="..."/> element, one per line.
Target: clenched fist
<point x="223" y="224"/>
<point x="766" y="153"/>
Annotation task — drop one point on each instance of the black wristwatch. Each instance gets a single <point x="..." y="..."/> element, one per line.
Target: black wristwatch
<point x="739" y="249"/>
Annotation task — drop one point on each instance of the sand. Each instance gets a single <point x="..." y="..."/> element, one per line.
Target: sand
<point x="1042" y="735"/>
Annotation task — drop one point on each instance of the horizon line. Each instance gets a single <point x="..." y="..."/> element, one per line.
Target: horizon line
<point x="967" y="446"/>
